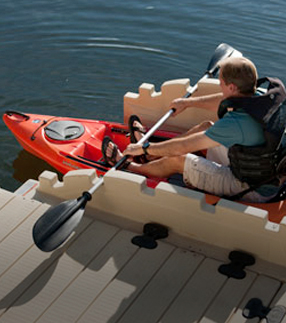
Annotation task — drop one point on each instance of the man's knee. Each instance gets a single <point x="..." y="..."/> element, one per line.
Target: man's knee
<point x="177" y="163"/>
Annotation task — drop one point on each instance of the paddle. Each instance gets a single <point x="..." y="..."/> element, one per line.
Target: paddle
<point x="222" y="51"/>
<point x="57" y="223"/>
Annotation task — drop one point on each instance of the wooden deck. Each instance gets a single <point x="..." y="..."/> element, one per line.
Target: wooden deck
<point x="100" y="276"/>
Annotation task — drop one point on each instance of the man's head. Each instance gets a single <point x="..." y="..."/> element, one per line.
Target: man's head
<point x="238" y="75"/>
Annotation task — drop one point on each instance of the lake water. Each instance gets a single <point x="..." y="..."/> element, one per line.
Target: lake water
<point x="78" y="58"/>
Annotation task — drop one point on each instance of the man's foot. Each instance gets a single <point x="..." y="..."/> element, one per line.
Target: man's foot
<point x="137" y="130"/>
<point x="110" y="152"/>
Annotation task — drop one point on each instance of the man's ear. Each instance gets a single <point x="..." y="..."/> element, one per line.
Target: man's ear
<point x="233" y="88"/>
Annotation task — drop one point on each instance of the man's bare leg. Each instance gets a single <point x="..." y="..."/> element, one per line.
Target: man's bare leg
<point x="162" y="167"/>
<point x="197" y="128"/>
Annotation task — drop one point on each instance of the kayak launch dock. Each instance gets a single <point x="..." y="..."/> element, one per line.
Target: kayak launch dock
<point x="98" y="275"/>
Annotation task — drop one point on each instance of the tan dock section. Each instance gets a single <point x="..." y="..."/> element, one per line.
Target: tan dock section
<point x="100" y="276"/>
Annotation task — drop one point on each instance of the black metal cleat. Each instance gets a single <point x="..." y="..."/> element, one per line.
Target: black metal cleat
<point x="235" y="269"/>
<point x="151" y="233"/>
<point x="255" y="308"/>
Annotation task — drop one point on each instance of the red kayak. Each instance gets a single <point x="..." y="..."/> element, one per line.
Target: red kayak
<point x="70" y="144"/>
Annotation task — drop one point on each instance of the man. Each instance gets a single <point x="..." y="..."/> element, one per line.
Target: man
<point x="238" y="78"/>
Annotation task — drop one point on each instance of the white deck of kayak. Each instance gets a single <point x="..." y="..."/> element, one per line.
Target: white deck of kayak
<point x="100" y="276"/>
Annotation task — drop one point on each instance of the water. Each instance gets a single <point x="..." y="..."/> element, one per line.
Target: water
<point x="78" y="58"/>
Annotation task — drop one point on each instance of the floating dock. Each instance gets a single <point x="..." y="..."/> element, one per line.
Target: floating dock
<point x="98" y="275"/>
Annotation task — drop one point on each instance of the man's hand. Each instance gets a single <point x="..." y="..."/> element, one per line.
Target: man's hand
<point x="179" y="105"/>
<point x="133" y="150"/>
<point x="209" y="102"/>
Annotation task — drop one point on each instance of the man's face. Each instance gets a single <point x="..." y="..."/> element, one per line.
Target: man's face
<point x="227" y="90"/>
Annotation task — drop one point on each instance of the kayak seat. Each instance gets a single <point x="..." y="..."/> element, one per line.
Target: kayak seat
<point x="177" y="179"/>
<point x="64" y="130"/>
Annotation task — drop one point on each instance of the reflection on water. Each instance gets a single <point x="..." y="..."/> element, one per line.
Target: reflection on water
<point x="28" y="166"/>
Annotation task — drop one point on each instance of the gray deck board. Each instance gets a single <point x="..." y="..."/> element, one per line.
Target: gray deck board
<point x="92" y="280"/>
<point x="100" y="276"/>
<point x="57" y="277"/>
<point x="228" y="299"/>
<point x="264" y="288"/>
<point x="124" y="288"/>
<point x="197" y="294"/>
<point x="164" y="287"/>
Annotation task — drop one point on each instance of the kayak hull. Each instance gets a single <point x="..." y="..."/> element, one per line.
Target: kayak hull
<point x="33" y="132"/>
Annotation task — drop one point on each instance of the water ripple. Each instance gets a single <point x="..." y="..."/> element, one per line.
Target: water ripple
<point x="97" y="42"/>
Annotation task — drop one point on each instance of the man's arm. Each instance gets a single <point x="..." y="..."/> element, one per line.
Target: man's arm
<point x="208" y="102"/>
<point x="174" y="147"/>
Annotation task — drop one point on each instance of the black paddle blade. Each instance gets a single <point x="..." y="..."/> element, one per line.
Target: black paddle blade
<point x="221" y="52"/>
<point x="57" y="223"/>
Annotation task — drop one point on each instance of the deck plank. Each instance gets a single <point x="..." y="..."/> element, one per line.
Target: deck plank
<point x="5" y="197"/>
<point x="27" y="269"/>
<point x="264" y="288"/>
<point x="99" y="276"/>
<point x="121" y="292"/>
<point x="228" y="299"/>
<point x="13" y="213"/>
<point x="198" y="293"/>
<point x="280" y="299"/>
<point x="57" y="277"/>
<point x="19" y="240"/>
<point x="163" y="288"/>
<point x="92" y="280"/>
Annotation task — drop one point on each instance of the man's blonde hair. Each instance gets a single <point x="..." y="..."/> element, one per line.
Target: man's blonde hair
<point x="241" y="72"/>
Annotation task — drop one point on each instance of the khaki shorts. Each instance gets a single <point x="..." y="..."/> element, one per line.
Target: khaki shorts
<point x="216" y="179"/>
